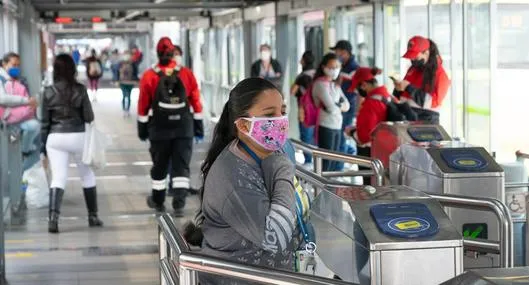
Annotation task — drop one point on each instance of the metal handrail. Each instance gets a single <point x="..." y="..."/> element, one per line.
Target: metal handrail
<point x="190" y="263"/>
<point x="319" y="154"/>
<point x="208" y="264"/>
<point x="506" y="242"/>
<point x="169" y="272"/>
<point x="516" y="185"/>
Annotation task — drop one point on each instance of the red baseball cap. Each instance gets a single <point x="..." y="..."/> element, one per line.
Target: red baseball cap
<point x="362" y="74"/>
<point x="416" y="45"/>
<point x="165" y="45"/>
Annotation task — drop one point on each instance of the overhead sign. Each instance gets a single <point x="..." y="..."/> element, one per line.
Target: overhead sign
<point x="99" y="27"/>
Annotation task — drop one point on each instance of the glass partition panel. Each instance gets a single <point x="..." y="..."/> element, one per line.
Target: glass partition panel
<point x="512" y="72"/>
<point x="391" y="43"/>
<point x="441" y="35"/>
<point x="478" y="73"/>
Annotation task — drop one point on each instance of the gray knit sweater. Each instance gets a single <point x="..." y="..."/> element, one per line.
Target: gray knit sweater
<point x="249" y="211"/>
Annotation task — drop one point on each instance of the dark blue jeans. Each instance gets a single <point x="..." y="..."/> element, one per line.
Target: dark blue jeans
<point x="344" y="146"/>
<point x="306" y="135"/>
<point x="126" y="89"/>
<point x="329" y="139"/>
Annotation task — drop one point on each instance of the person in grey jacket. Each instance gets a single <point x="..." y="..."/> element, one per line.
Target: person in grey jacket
<point x="248" y="199"/>
<point x="332" y="101"/>
<point x="66" y="109"/>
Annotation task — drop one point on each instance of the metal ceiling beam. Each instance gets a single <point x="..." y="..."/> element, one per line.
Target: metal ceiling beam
<point x="136" y="5"/>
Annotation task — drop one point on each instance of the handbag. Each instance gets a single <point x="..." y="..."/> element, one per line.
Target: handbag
<point x="95" y="145"/>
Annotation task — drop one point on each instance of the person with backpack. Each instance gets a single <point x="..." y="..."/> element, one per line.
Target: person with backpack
<point x="23" y="116"/>
<point x="301" y="85"/>
<point x="127" y="80"/>
<point x="426" y="83"/>
<point x="328" y="95"/>
<point x="94" y="72"/>
<point x="169" y="115"/>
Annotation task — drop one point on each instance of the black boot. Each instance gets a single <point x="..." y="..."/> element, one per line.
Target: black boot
<point x="156" y="200"/>
<point x="90" y="197"/>
<point x="55" y="209"/>
<point x="179" y="201"/>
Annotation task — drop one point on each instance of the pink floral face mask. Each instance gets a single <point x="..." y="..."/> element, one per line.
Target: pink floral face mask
<point x="270" y="133"/>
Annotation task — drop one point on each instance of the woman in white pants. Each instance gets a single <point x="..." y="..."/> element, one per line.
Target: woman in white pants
<point x="66" y="110"/>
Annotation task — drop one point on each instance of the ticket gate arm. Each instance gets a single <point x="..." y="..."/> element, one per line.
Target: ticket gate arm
<point x="319" y="155"/>
<point x="506" y="243"/>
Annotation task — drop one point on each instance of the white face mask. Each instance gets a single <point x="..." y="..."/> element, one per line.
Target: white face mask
<point x="126" y="57"/>
<point x="178" y="59"/>
<point x="332" y="72"/>
<point x="266" y="55"/>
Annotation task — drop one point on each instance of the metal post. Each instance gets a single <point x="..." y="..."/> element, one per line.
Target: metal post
<point x="162" y="252"/>
<point x="187" y="276"/>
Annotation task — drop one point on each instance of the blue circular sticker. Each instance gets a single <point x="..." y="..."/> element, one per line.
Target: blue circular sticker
<point x="408" y="225"/>
<point x="468" y="162"/>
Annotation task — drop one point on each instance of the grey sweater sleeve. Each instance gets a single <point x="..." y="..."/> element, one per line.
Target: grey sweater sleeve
<point x="321" y="93"/>
<point x="7" y="100"/>
<point x="266" y="220"/>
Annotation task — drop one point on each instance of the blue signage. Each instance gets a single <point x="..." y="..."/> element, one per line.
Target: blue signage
<point x="405" y="220"/>
<point x="424" y="134"/>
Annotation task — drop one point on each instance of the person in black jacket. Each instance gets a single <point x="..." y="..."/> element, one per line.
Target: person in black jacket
<point x="66" y="109"/>
<point x="267" y="67"/>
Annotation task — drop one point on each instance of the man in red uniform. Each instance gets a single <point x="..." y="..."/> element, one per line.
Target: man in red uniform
<point x="169" y="115"/>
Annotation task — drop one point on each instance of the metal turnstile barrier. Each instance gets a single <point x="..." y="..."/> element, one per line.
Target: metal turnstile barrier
<point x="13" y="204"/>
<point x="179" y="265"/>
<point x="376" y="168"/>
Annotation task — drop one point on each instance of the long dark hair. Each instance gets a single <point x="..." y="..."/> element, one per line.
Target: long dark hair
<point x="308" y="60"/>
<point x="430" y="68"/>
<point x="242" y="97"/>
<point x="64" y="69"/>
<point x="325" y="60"/>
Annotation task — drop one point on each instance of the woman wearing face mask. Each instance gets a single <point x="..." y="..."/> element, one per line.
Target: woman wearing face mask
<point x="267" y="67"/>
<point x="425" y="85"/>
<point x="23" y="116"/>
<point x="329" y="96"/>
<point x="248" y="201"/>
<point x="127" y="80"/>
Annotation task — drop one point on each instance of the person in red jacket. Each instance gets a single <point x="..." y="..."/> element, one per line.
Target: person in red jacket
<point x="425" y="85"/>
<point x="169" y="115"/>
<point x="372" y="111"/>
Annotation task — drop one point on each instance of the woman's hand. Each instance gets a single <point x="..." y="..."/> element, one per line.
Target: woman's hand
<point x="401" y="85"/>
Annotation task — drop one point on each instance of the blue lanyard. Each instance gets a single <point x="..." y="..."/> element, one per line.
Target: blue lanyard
<point x="299" y="204"/>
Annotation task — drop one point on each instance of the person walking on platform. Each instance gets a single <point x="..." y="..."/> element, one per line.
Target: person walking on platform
<point x="192" y="91"/>
<point x="94" y="72"/>
<point x="165" y="118"/>
<point x="267" y="67"/>
<point x="344" y="51"/>
<point x="425" y="85"/>
<point x="66" y="109"/>
<point x="127" y="80"/>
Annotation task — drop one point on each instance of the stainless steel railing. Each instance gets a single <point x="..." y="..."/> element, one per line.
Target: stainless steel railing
<point x="377" y="169"/>
<point x="180" y="265"/>
<point x="504" y="247"/>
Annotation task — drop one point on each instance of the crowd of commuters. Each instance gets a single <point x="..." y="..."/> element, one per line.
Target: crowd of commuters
<point x="250" y="210"/>
<point x="345" y="120"/>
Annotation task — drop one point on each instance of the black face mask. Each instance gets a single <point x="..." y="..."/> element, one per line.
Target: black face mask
<point x="165" y="59"/>
<point x="361" y="92"/>
<point x="418" y="63"/>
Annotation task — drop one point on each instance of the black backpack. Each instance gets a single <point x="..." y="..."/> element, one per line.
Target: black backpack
<point x="397" y="112"/>
<point x="170" y="105"/>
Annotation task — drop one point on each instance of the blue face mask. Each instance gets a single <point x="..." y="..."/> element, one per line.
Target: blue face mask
<point x="14" y="72"/>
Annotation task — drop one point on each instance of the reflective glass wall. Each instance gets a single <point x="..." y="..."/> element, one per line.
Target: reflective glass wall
<point x="483" y="45"/>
